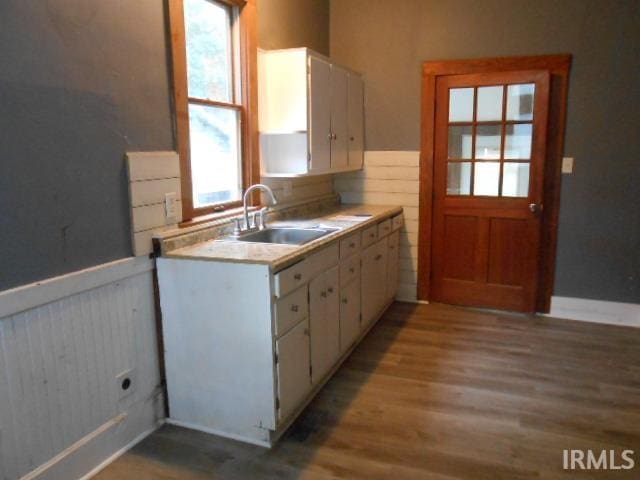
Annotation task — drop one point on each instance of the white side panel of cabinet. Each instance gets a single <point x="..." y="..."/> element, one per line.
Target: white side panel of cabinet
<point x="282" y="91"/>
<point x="320" y="114"/>
<point x="355" y="111"/>
<point x="339" y="129"/>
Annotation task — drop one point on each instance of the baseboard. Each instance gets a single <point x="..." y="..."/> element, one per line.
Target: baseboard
<point x="596" y="311"/>
<point x="218" y="433"/>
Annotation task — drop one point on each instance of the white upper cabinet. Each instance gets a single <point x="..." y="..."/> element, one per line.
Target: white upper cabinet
<point x="311" y="114"/>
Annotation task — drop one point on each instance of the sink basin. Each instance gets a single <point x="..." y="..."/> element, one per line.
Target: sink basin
<point x="288" y="236"/>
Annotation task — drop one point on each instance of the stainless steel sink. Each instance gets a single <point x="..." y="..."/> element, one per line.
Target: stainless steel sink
<point x="289" y="236"/>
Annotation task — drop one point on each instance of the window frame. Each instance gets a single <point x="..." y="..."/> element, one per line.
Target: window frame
<point x="244" y="65"/>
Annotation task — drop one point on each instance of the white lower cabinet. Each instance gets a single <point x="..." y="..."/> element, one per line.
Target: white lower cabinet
<point x="293" y="364"/>
<point x="246" y="348"/>
<point x="324" y="320"/>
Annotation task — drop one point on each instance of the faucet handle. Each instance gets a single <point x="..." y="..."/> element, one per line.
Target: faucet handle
<point x="237" y="230"/>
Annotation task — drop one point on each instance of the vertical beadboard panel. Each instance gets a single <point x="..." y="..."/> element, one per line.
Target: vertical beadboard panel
<point x="58" y="369"/>
<point x="390" y="178"/>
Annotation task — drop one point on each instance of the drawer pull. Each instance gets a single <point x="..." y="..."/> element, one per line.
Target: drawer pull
<point x="352" y="245"/>
<point x="352" y="270"/>
<point x="297" y="276"/>
<point x="330" y="289"/>
<point x="323" y="294"/>
<point x="372" y="235"/>
<point x="378" y="257"/>
<point x="345" y="301"/>
<point x="294" y="308"/>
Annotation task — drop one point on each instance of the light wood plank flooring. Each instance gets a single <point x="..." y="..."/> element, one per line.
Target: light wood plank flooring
<point x="439" y="392"/>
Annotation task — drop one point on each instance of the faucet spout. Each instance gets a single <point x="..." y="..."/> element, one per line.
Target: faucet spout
<point x="257" y="186"/>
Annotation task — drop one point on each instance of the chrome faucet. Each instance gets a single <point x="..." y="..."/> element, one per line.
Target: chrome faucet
<point x="262" y="212"/>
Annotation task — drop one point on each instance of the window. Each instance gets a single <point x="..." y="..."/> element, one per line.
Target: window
<point x="214" y="58"/>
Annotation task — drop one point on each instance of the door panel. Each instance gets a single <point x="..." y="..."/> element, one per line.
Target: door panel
<point x="324" y="319"/>
<point x="374" y="280"/>
<point x="339" y="129"/>
<point x="355" y="111"/>
<point x="393" y="261"/>
<point x="320" y="114"/>
<point x="349" y="314"/>
<point x="294" y="382"/>
<point x="490" y="136"/>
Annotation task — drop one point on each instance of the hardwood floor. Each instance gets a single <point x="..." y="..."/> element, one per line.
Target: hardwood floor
<point x="439" y="392"/>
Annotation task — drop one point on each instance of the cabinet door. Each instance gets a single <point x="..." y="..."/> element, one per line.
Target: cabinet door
<point x="319" y="114"/>
<point x="374" y="281"/>
<point x="393" y="265"/>
<point x="339" y="128"/>
<point x="349" y="314"/>
<point x="355" y="111"/>
<point x="324" y="319"/>
<point x="294" y="381"/>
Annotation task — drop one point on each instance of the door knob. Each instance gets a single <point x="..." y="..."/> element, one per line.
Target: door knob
<point x="535" y="208"/>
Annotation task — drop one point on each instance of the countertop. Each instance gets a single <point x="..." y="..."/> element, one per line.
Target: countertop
<point x="279" y="256"/>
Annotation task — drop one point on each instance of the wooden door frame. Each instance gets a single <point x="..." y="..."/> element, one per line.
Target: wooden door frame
<point x="558" y="67"/>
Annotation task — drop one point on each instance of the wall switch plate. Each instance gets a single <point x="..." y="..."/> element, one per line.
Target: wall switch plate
<point x="170" y="206"/>
<point x="287" y="188"/>
<point x="567" y="164"/>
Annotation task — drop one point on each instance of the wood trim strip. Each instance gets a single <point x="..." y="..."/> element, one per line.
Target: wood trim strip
<point x="558" y="67"/>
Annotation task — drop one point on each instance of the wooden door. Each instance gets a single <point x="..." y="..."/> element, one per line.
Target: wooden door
<point x="339" y="144"/>
<point x="374" y="281"/>
<point x="349" y="314"/>
<point x="319" y="114"/>
<point x="324" y="322"/>
<point x="490" y="136"/>
<point x="355" y="112"/>
<point x="294" y="382"/>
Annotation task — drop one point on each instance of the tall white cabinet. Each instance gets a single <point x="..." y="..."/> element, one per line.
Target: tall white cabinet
<point x="311" y="114"/>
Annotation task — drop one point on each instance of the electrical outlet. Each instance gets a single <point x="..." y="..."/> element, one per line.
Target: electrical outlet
<point x="170" y="206"/>
<point x="287" y="188"/>
<point x="567" y="164"/>
<point x="126" y="383"/>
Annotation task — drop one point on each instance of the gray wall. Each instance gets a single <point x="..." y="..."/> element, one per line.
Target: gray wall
<point x="294" y="23"/>
<point x="599" y="244"/>
<point x="81" y="83"/>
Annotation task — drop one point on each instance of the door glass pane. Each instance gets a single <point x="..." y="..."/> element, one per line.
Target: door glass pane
<point x="515" y="179"/>
<point x="458" y="178"/>
<point x="520" y="101"/>
<point x="208" y="39"/>
<point x="488" y="142"/>
<point x="486" y="178"/>
<point x="489" y="103"/>
<point x="215" y="154"/>
<point x="461" y="104"/>
<point x="460" y="141"/>
<point x="518" y="141"/>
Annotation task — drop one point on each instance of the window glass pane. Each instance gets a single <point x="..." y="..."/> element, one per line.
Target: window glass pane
<point x="461" y="104"/>
<point x="520" y="101"/>
<point x="515" y="179"/>
<point x="489" y="103"/>
<point x="459" y="178"/>
<point x="208" y="37"/>
<point x="460" y="141"/>
<point x="518" y="141"/>
<point x="488" y="142"/>
<point x="486" y="178"/>
<point x="215" y="155"/>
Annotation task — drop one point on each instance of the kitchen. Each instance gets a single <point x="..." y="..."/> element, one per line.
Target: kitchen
<point x="144" y="309"/>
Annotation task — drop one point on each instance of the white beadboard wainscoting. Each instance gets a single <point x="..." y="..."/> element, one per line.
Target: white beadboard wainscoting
<point x="390" y="178"/>
<point x="65" y="345"/>
<point x="597" y="311"/>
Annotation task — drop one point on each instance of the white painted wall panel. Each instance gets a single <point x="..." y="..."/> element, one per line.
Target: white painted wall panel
<point x="390" y="178"/>
<point x="58" y="368"/>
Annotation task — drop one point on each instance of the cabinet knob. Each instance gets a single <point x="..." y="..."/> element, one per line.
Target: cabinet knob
<point x="330" y="136"/>
<point x="372" y="235"/>
<point x="378" y="257"/>
<point x="297" y="276"/>
<point x="345" y="301"/>
<point x="352" y="139"/>
<point x="352" y="270"/>
<point x="330" y="289"/>
<point x="294" y="308"/>
<point x="352" y="245"/>
<point x="323" y="294"/>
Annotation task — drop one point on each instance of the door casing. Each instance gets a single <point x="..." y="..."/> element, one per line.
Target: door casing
<point x="558" y="67"/>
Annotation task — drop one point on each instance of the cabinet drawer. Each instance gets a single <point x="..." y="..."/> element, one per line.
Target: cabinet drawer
<point x="369" y="235"/>
<point x="291" y="278"/>
<point x="322" y="260"/>
<point x="349" y="245"/>
<point x="291" y="309"/>
<point x="384" y="228"/>
<point x="349" y="269"/>
<point x="397" y="222"/>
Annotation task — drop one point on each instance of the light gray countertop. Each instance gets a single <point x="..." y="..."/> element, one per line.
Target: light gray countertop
<point x="279" y="256"/>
